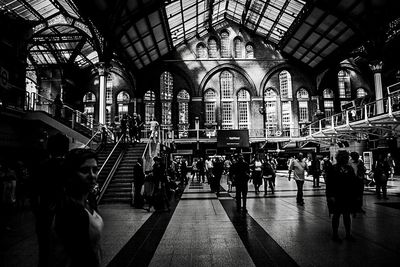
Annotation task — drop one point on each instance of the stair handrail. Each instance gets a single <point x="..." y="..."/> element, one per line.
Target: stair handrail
<point x="91" y="138"/>
<point x="110" y="175"/>
<point x="109" y="155"/>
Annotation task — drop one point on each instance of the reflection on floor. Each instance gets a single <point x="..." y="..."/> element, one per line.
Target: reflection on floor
<point x="203" y="230"/>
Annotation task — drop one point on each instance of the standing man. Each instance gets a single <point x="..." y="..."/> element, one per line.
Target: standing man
<point x="138" y="181"/>
<point x="241" y="175"/>
<point x="298" y="167"/>
<point x="391" y="164"/>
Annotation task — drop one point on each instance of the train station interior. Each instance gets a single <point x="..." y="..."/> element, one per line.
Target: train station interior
<point x="218" y="78"/>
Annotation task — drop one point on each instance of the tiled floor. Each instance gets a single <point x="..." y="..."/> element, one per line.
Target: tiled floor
<point x="203" y="230"/>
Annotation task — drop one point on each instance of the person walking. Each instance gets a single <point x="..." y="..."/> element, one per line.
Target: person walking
<point x="58" y="105"/>
<point x="359" y="169"/>
<point x="392" y="164"/>
<point x="298" y="166"/>
<point x="256" y="174"/>
<point x="160" y="199"/>
<point x="315" y="170"/>
<point x="268" y="175"/>
<point x="341" y="193"/>
<point x="138" y="181"/>
<point x="218" y="170"/>
<point x="241" y="175"/>
<point x="381" y="174"/>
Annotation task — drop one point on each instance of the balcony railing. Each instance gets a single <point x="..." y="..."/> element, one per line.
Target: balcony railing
<point x="385" y="106"/>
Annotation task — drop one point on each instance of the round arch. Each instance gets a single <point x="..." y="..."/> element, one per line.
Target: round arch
<point x="268" y="75"/>
<point x="228" y="67"/>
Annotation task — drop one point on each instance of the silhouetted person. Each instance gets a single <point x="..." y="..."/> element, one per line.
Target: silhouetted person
<point x="138" y="181"/>
<point x="58" y="105"/>
<point x="381" y="175"/>
<point x="241" y="175"/>
<point x="218" y="170"/>
<point x="359" y="169"/>
<point x="341" y="193"/>
<point x="48" y="188"/>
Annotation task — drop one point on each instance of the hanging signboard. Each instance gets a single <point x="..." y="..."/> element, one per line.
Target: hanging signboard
<point x="233" y="138"/>
<point x="4" y="77"/>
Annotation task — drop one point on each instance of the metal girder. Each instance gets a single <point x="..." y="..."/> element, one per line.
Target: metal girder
<point x="210" y="13"/>
<point x="245" y="11"/>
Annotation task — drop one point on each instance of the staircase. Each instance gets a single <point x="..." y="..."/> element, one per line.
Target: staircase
<point x="102" y="156"/>
<point x="119" y="189"/>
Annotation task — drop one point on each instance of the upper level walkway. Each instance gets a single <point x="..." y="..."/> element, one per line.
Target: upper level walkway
<point x="203" y="230"/>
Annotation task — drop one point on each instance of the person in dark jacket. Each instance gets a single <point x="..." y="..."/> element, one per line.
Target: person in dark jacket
<point x="359" y="169"/>
<point x="268" y="175"/>
<point x="218" y="170"/>
<point x="160" y="199"/>
<point x="241" y="176"/>
<point x="381" y="175"/>
<point x="138" y="181"/>
<point x="341" y="193"/>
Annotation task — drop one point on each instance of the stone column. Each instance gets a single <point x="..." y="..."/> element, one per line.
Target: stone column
<point x="376" y="68"/>
<point x="102" y="92"/>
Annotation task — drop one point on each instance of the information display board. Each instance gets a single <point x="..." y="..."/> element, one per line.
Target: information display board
<point x="233" y="138"/>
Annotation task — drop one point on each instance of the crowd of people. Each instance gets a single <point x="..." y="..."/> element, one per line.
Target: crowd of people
<point x="128" y="127"/>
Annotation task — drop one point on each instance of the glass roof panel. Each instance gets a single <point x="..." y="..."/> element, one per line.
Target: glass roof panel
<point x="70" y="7"/>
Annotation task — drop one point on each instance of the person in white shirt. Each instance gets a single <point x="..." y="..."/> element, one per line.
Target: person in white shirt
<point x="298" y="166"/>
<point x="153" y="128"/>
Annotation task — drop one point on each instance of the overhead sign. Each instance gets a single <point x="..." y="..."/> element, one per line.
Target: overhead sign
<point x="4" y="77"/>
<point x="233" y="138"/>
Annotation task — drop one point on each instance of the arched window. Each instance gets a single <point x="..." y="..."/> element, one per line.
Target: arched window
<point x="271" y="116"/>
<point x="201" y="51"/>
<point x="123" y="99"/>
<point x="249" y="51"/>
<point x="183" y="103"/>
<point x="303" y="98"/>
<point x="237" y="42"/>
<point x="243" y="109"/>
<point x="361" y="93"/>
<point x="109" y="98"/>
<point x="328" y="102"/>
<point x="225" y="45"/>
<point x="89" y="100"/>
<point x="210" y="99"/>
<point x="166" y="91"/>
<point x="149" y="104"/>
<point x="344" y="85"/>
<point x="212" y="48"/>
<point x="226" y="89"/>
<point x="285" y="84"/>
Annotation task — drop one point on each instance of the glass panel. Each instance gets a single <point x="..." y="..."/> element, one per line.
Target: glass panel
<point x="225" y="45"/>
<point x="302" y="94"/>
<point x="166" y="86"/>
<point x="238" y="47"/>
<point x="361" y="93"/>
<point x="213" y="50"/>
<point x="328" y="93"/>
<point x="226" y="85"/>
<point x="344" y="84"/>
<point x="210" y="95"/>
<point x="285" y="84"/>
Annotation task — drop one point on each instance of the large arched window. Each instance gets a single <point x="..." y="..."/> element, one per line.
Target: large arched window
<point x="226" y="85"/>
<point x="243" y="109"/>
<point x="303" y="98"/>
<point x="271" y="116"/>
<point x="361" y="93"/>
<point x="212" y="48"/>
<point x="210" y="99"/>
<point x="249" y="51"/>
<point x="285" y="84"/>
<point x="201" y="51"/>
<point x="328" y="102"/>
<point x="166" y="91"/>
<point x="89" y="101"/>
<point x="109" y="98"/>
<point x="344" y="85"/>
<point x="183" y="122"/>
<point x="225" y="45"/>
<point x="123" y="99"/>
<point x="149" y="104"/>
<point x="237" y="42"/>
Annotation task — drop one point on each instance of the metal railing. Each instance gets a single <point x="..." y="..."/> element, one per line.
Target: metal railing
<point x="385" y="106"/>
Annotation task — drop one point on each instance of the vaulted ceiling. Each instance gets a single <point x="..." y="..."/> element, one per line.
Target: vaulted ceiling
<point x="140" y="32"/>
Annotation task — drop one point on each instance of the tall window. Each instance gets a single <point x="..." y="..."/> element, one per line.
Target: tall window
<point x="344" y="84"/>
<point x="237" y="42"/>
<point x="303" y="98"/>
<point x="285" y="84"/>
<point x="243" y="109"/>
<point x="249" y="51"/>
<point x="109" y="98"/>
<point x="201" y="51"/>
<point x="225" y="45"/>
<point x="212" y="48"/>
<point x="183" y="103"/>
<point x="123" y="99"/>
<point x="89" y="101"/>
<point x="270" y="98"/>
<point x="149" y="104"/>
<point x="226" y="85"/>
<point x="166" y="90"/>
<point x="361" y="93"/>
<point x="210" y="100"/>
<point x="328" y="102"/>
